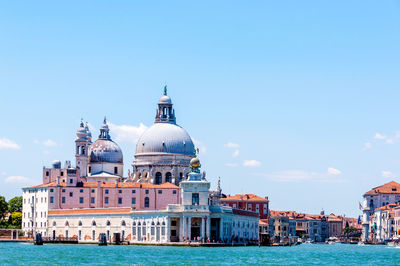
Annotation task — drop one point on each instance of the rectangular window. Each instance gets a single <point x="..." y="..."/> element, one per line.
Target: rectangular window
<point x="106" y="191"/>
<point x="90" y="169"/>
<point x="51" y="199"/>
<point x="92" y="200"/>
<point x="71" y="181"/>
<point x="173" y="223"/>
<point x="195" y="198"/>
<point x="106" y="200"/>
<point x="81" y="190"/>
<point x="63" y="199"/>
<point x="51" y="190"/>
<point x="63" y="190"/>
<point x="47" y="173"/>
<point x="115" y="170"/>
<point x="133" y="200"/>
<point x="71" y="194"/>
<point x="159" y="191"/>
<point x="120" y="191"/>
<point x="147" y="191"/>
<point x="133" y="191"/>
<point x="92" y="190"/>
<point x="81" y="200"/>
<point x="174" y="192"/>
<point x="119" y="200"/>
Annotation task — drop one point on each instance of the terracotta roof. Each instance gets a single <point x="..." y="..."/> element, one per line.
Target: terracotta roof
<point x="90" y="211"/>
<point x="388" y="188"/>
<point x="388" y="207"/>
<point x="112" y="185"/>
<point x="244" y="197"/>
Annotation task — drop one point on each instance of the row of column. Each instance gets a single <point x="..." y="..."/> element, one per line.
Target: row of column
<point x="186" y="226"/>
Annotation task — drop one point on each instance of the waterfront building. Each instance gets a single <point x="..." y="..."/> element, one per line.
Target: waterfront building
<point x="377" y="197"/>
<point x="396" y="219"/>
<point x="163" y="200"/>
<point x="193" y="219"/>
<point x="335" y="225"/>
<point x="249" y="202"/>
<point x="382" y="223"/>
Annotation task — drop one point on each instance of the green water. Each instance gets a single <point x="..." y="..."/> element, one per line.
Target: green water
<point x="338" y="254"/>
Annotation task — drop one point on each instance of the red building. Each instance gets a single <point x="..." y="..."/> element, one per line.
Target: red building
<point x="248" y="202"/>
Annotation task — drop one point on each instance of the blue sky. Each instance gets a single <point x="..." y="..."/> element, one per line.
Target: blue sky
<point x="294" y="100"/>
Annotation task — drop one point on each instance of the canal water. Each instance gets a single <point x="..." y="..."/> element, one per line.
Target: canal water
<point x="306" y="254"/>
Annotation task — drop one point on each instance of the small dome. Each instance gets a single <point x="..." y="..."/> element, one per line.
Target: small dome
<point x="105" y="151"/>
<point x="165" y="138"/>
<point x="165" y="99"/>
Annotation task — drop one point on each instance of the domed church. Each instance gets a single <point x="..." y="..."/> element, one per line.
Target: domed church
<point x="164" y="151"/>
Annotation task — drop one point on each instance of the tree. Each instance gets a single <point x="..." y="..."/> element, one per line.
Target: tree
<point x="3" y="207"/>
<point x="16" y="219"/>
<point x="15" y="204"/>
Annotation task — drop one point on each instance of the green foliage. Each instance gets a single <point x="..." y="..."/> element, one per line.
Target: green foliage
<point x="15" y="204"/>
<point x="3" y="207"/>
<point x="16" y="219"/>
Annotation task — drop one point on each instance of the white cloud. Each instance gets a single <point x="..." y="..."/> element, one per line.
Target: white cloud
<point x="387" y="174"/>
<point x="127" y="133"/>
<point x="8" y="144"/>
<point x="36" y="141"/>
<point x="251" y="163"/>
<point x="367" y="146"/>
<point x="231" y="164"/>
<point x="236" y="153"/>
<point x="231" y="145"/>
<point x="388" y="139"/>
<point x="379" y="136"/>
<point x="200" y="145"/>
<point x="333" y="171"/>
<point x="46" y="152"/>
<point x="17" y="179"/>
<point x="301" y="176"/>
<point x="49" y="143"/>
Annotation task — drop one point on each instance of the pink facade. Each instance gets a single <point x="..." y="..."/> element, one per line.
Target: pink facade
<point x="248" y="202"/>
<point x="137" y="196"/>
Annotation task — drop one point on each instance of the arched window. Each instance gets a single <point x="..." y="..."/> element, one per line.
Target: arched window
<point x="108" y="223"/>
<point x="138" y="224"/>
<point x="54" y="223"/>
<point x="163" y="223"/>
<point x="152" y="223"/>
<point x="123" y="223"/>
<point x="168" y="177"/>
<point x="146" y="202"/>
<point x="134" y="224"/>
<point x="66" y="223"/>
<point x="158" y="178"/>
<point x="94" y="223"/>
<point x="80" y="223"/>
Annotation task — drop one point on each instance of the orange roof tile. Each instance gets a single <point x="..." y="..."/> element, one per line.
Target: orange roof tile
<point x="244" y="197"/>
<point x="388" y="188"/>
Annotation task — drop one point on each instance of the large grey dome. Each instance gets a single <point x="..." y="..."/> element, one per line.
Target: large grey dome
<point x="105" y="151"/>
<point x="165" y="138"/>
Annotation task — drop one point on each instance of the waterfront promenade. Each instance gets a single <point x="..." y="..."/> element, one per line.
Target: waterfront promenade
<point x="340" y="254"/>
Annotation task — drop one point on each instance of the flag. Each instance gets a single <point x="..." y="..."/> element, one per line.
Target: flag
<point x="359" y="219"/>
<point x="359" y="205"/>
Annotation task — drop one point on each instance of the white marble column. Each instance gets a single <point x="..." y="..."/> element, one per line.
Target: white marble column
<point x="189" y="228"/>
<point x="208" y="227"/>
<point x="183" y="227"/>
<point x="168" y="228"/>
<point x="202" y="229"/>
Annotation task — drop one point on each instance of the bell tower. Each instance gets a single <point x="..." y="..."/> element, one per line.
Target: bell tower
<point x="165" y="113"/>
<point x="82" y="143"/>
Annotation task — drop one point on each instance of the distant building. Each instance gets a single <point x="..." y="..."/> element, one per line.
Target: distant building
<point x="377" y="197"/>
<point x="248" y="202"/>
